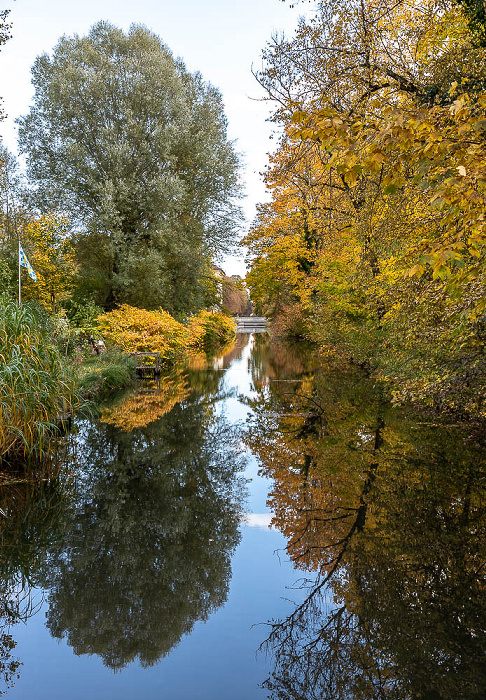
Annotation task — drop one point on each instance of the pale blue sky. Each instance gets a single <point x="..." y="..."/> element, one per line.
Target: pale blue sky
<point x="220" y="38"/>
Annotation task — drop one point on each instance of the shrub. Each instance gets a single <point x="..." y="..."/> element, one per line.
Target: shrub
<point x="139" y="330"/>
<point x="208" y="331"/>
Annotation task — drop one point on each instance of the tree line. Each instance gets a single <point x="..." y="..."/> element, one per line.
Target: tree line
<point x="373" y="243"/>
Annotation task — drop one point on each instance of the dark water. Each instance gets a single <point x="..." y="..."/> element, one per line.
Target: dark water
<point x="150" y="569"/>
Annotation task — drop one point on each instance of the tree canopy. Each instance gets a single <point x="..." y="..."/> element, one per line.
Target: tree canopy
<point x="133" y="148"/>
<point x="376" y="228"/>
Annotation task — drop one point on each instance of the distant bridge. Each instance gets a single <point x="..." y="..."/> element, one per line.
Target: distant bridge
<point x="251" y="324"/>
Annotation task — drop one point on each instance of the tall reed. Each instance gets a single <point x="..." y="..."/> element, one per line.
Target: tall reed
<point x="36" y="388"/>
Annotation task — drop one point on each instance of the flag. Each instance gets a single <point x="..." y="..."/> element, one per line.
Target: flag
<point x="25" y="263"/>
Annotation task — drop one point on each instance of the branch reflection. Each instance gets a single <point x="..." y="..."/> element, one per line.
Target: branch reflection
<point x="387" y="514"/>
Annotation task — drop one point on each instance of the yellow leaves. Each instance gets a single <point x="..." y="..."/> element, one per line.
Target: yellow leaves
<point x="458" y="105"/>
<point x="209" y="330"/>
<point x="416" y="270"/>
<point x="299" y="117"/>
<point x="51" y="254"/>
<point x="453" y="88"/>
<point x="139" y="330"/>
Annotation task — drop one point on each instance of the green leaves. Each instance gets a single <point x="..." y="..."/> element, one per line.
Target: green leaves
<point x="134" y="147"/>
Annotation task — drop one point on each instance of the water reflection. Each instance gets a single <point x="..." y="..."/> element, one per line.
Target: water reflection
<point x="390" y="512"/>
<point x="148" y="543"/>
<point x="383" y="515"/>
<point x="31" y="517"/>
<point x="149" y="401"/>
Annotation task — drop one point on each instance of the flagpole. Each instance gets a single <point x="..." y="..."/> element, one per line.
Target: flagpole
<point x="20" y="301"/>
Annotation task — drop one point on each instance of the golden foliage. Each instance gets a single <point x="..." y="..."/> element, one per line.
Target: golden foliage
<point x="209" y="330"/>
<point x="383" y="153"/>
<point x="149" y="403"/>
<point x="139" y="330"/>
<point x="51" y="254"/>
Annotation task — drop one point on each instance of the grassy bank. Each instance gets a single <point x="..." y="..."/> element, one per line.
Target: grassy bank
<point x="37" y="387"/>
<point x="99" y="376"/>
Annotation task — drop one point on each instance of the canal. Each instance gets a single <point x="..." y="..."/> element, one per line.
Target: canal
<point x="255" y="526"/>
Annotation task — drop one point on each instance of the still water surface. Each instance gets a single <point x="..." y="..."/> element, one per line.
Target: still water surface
<point x="152" y="571"/>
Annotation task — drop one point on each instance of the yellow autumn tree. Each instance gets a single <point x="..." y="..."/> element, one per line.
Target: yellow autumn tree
<point x="390" y="102"/>
<point x="51" y="253"/>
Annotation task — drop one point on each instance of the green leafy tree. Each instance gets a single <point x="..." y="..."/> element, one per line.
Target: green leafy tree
<point x="134" y="148"/>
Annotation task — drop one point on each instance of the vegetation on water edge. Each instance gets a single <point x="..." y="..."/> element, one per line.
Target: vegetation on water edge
<point x="100" y="375"/>
<point x="375" y="236"/>
<point x="36" y="386"/>
<point x="44" y="379"/>
<point x="138" y="330"/>
<point x="209" y="330"/>
<point x="122" y="234"/>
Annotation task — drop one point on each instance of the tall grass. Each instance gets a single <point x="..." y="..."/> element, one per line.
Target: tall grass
<point x="36" y="388"/>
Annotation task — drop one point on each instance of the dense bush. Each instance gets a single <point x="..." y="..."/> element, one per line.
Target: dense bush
<point x="139" y="330"/>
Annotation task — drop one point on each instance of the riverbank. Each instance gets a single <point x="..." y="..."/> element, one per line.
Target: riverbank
<point x="46" y="375"/>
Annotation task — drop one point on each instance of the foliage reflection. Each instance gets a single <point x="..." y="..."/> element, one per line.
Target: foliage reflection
<point x="148" y="544"/>
<point x="390" y="513"/>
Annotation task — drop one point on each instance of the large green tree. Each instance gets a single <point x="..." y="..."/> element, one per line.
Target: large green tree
<point x="134" y="148"/>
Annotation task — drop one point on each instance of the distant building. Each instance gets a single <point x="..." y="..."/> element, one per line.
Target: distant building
<point x="232" y="293"/>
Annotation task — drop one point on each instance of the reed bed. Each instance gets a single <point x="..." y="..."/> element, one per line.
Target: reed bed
<point x="37" y="389"/>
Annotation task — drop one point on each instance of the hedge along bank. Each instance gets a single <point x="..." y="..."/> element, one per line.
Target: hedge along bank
<point x="139" y="330"/>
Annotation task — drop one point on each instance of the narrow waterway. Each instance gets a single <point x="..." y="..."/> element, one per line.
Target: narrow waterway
<point x="255" y="502"/>
<point x="157" y="566"/>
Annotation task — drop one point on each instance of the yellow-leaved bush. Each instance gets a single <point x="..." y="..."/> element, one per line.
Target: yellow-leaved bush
<point x="139" y="330"/>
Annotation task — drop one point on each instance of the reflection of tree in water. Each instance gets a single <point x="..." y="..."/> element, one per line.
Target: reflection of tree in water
<point x="149" y="401"/>
<point x="392" y="517"/>
<point x="148" y="546"/>
<point x="31" y="516"/>
<point x="277" y="361"/>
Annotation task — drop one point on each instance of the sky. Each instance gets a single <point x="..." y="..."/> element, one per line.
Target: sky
<point x="222" y="39"/>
